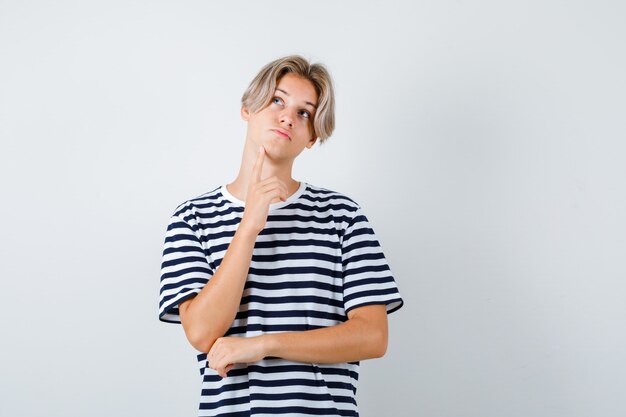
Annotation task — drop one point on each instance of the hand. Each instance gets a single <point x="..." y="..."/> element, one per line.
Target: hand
<point x="227" y="351"/>
<point x="260" y="195"/>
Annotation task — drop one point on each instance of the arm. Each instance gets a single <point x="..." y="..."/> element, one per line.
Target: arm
<point x="210" y="314"/>
<point x="362" y="336"/>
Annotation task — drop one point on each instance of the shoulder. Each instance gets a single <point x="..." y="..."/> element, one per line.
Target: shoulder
<point x="209" y="200"/>
<point x="325" y="195"/>
<point x="344" y="208"/>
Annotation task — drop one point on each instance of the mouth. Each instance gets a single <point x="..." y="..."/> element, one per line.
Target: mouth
<point x="281" y="134"/>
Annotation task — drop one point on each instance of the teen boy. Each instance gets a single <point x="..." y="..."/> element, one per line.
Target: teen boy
<point x="281" y="285"/>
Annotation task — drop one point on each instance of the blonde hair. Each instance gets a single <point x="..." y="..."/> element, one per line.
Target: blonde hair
<point x="262" y="88"/>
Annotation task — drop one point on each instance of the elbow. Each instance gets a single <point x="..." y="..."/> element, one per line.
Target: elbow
<point x="199" y="335"/>
<point x="374" y="335"/>
<point x="200" y="338"/>
<point x="202" y="342"/>
<point x="378" y="344"/>
<point x="380" y="347"/>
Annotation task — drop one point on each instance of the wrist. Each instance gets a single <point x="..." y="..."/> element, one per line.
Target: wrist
<point x="268" y="344"/>
<point x="247" y="232"/>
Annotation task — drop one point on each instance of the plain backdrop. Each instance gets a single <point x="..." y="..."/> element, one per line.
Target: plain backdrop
<point x="485" y="141"/>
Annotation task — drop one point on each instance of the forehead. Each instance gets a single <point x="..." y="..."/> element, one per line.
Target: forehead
<point x="298" y="88"/>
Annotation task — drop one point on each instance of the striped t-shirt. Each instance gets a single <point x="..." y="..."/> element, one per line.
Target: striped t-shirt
<point x="316" y="259"/>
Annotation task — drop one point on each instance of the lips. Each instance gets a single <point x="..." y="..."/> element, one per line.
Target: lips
<point x="281" y="133"/>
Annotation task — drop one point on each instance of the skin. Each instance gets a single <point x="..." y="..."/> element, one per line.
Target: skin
<point x="286" y="112"/>
<point x="265" y="177"/>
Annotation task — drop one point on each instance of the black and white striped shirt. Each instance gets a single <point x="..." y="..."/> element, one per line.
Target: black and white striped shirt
<point x="316" y="259"/>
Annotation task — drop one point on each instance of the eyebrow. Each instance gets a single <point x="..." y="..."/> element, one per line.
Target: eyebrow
<point x="306" y="102"/>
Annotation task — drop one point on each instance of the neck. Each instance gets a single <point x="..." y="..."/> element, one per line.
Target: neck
<point x="271" y="167"/>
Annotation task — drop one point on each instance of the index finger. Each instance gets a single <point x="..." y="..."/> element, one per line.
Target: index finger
<point x="258" y="164"/>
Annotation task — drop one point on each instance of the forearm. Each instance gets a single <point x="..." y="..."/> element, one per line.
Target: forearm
<point x="353" y="340"/>
<point x="210" y="314"/>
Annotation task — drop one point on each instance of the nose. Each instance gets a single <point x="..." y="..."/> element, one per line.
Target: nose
<point x="286" y="117"/>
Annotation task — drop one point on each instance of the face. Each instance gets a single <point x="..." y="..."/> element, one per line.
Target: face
<point x="285" y="126"/>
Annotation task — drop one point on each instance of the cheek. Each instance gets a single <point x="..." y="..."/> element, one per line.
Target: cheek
<point x="309" y="126"/>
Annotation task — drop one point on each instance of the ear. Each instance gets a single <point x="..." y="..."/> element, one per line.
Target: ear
<point x="311" y="143"/>
<point x="245" y="114"/>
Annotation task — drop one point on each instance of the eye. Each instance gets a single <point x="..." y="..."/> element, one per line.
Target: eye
<point x="277" y="100"/>
<point x="306" y="114"/>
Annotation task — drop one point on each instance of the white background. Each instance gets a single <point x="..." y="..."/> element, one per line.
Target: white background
<point x="484" y="140"/>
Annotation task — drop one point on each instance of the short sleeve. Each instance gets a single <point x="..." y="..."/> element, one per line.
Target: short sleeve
<point x="367" y="277"/>
<point x="185" y="269"/>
